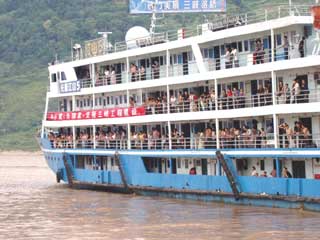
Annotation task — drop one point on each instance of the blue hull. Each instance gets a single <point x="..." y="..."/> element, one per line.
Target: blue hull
<point x="258" y="191"/>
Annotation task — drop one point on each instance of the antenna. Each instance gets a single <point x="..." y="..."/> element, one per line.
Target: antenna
<point x="106" y="42"/>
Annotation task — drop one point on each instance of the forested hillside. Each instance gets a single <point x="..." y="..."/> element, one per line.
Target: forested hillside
<point x="32" y="32"/>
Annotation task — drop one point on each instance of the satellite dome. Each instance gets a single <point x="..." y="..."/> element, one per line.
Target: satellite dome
<point x="134" y="34"/>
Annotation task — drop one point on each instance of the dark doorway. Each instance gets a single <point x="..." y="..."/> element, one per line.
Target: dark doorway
<point x="174" y="166"/>
<point x="216" y="53"/>
<point x="185" y="63"/>
<point x="204" y="166"/>
<point x="307" y="122"/>
<point x="254" y="90"/>
<point x="299" y="169"/>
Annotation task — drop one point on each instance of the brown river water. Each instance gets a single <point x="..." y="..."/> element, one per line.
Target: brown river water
<point x="34" y="206"/>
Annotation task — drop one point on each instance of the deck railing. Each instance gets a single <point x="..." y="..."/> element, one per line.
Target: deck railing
<point x="223" y="22"/>
<point x="234" y="141"/>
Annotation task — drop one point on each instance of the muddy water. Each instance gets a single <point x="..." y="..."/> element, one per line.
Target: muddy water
<point x="33" y="206"/>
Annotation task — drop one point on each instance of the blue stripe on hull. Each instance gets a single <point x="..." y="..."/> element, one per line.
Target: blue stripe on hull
<point x="138" y="177"/>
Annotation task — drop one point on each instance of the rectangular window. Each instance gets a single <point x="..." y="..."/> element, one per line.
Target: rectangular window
<point x="211" y="53"/>
<point x="278" y="40"/>
<point x="198" y="163"/>
<point x="179" y="163"/>
<point x="223" y="52"/>
<point x="205" y="53"/>
<point x="63" y="76"/>
<point x="53" y="77"/>
<point x="265" y="43"/>
<point x="186" y="163"/>
<point x="262" y="165"/>
<point x="246" y="45"/>
<point x="307" y="30"/>
<point x="161" y="60"/>
<point x="78" y="103"/>
<point x="252" y="45"/>
<point x="180" y="59"/>
<point x="240" y="47"/>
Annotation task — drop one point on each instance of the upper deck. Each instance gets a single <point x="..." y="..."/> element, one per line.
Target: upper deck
<point x="198" y="51"/>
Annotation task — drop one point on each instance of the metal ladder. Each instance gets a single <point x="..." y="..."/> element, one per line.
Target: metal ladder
<point x="68" y="170"/>
<point x="230" y="176"/>
<point x="123" y="176"/>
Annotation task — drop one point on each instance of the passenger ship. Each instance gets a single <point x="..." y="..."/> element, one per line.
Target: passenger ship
<point x="228" y="111"/>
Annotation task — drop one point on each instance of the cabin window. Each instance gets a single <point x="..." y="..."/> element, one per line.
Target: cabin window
<point x="278" y="40"/>
<point x="246" y="45"/>
<point x="58" y="76"/>
<point x="125" y="99"/>
<point x="179" y="163"/>
<point x="54" y="77"/>
<point x="223" y="51"/>
<point x="78" y="103"/>
<point x="198" y="162"/>
<point x="211" y="53"/>
<point x="252" y="45"/>
<point x="161" y="61"/>
<point x="84" y="103"/>
<point x="100" y="101"/>
<point x="63" y="76"/>
<point x="317" y="77"/>
<point x="262" y="165"/>
<point x="104" y="102"/>
<point x="240" y="47"/>
<point x="266" y="43"/>
<point x="205" y="53"/>
<point x="186" y="163"/>
<point x="180" y="60"/>
<point x="81" y="104"/>
<point x="307" y="30"/>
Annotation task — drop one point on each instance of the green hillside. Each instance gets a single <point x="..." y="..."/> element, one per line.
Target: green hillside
<point x="31" y="34"/>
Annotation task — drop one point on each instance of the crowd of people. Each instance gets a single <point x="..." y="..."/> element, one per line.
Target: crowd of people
<point x="297" y="137"/>
<point x="285" y="173"/>
<point x="139" y="73"/>
<point x="229" y="138"/>
<point x="299" y="92"/>
<point x="109" y="77"/>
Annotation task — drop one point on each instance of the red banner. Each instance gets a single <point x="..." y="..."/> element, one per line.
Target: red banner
<point x="96" y="114"/>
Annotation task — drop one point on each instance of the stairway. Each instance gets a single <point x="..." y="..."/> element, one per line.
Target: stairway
<point x="230" y="176"/>
<point x="68" y="170"/>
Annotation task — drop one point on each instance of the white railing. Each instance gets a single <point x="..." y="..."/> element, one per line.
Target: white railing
<point x="229" y="141"/>
<point x="304" y="96"/>
<point x="299" y="141"/>
<point x="214" y="25"/>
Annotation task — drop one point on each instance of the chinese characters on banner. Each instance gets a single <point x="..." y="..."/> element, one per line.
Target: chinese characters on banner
<point x="96" y="114"/>
<point x="175" y="6"/>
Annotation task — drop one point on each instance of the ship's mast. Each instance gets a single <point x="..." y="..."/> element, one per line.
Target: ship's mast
<point x="152" y="29"/>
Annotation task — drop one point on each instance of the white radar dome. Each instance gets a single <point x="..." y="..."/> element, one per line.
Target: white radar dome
<point x="137" y="36"/>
